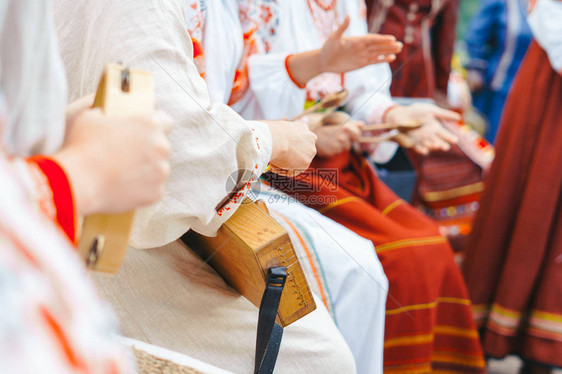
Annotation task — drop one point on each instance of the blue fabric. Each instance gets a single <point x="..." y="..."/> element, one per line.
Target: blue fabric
<point x="488" y="37"/>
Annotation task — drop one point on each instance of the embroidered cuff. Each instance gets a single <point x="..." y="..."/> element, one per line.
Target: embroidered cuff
<point x="64" y="208"/>
<point x="291" y="75"/>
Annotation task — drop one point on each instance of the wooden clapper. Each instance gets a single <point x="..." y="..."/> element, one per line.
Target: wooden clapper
<point x="247" y="249"/>
<point x="104" y="238"/>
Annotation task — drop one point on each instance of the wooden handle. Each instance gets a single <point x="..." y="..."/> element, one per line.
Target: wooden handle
<point x="333" y="100"/>
<point x="104" y="238"/>
<point x="404" y="127"/>
<point x="404" y="140"/>
<point x="380" y="138"/>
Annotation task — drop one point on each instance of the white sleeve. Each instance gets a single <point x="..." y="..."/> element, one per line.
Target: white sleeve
<point x="278" y="96"/>
<point x="545" y="21"/>
<point x="211" y="144"/>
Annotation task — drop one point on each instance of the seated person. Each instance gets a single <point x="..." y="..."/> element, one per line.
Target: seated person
<point x="51" y="320"/>
<point x="341" y="267"/>
<point x="167" y="295"/>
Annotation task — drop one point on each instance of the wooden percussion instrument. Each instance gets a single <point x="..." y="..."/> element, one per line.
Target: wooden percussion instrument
<point x="245" y="247"/>
<point x="104" y="238"/>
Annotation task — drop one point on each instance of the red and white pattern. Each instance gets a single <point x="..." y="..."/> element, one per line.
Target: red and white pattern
<point x="196" y="10"/>
<point x="55" y="322"/>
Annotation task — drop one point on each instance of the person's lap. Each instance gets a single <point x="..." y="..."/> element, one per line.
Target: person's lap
<point x="169" y="297"/>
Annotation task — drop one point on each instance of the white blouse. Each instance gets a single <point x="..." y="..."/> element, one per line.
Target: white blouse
<point x="288" y="27"/>
<point x="292" y="28"/>
<point x="210" y="142"/>
<point x="31" y="78"/>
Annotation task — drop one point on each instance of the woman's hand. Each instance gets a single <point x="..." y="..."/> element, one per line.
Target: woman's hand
<point x="431" y="136"/>
<point x="116" y="164"/>
<point x="78" y="106"/>
<point x="341" y="54"/>
<point x="293" y="147"/>
<point x="336" y="138"/>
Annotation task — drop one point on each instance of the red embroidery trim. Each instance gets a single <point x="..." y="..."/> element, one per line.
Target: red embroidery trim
<point x="323" y="6"/>
<point x="291" y="75"/>
<point x="62" y="194"/>
<point x="64" y="343"/>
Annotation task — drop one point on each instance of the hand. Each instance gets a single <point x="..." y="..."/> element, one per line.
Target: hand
<point x="475" y="80"/>
<point x="431" y="136"/>
<point x="334" y="139"/>
<point x="116" y="164"/>
<point x="293" y="147"/>
<point x="78" y="106"/>
<point x="341" y="54"/>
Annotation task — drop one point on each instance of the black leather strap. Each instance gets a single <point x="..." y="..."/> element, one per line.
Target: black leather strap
<point x="269" y="334"/>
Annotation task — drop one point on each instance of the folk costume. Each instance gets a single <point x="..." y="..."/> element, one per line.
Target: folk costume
<point x="34" y="121"/>
<point x="51" y="319"/>
<point x="167" y="295"/>
<point x="449" y="183"/>
<point x="513" y="265"/>
<point x="427" y="30"/>
<point x="429" y="324"/>
<point x="342" y="267"/>
<point x="496" y="40"/>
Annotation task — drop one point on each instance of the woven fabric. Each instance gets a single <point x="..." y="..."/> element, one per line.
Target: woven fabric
<point x="513" y="265"/>
<point x="428" y="314"/>
<point x="448" y="189"/>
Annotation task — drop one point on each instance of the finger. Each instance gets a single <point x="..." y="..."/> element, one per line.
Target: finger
<point x="381" y="38"/>
<point x="277" y="170"/>
<point x="164" y="120"/>
<point x="341" y="29"/>
<point x="448" y="136"/>
<point x="445" y="114"/>
<point x="355" y="130"/>
<point x="437" y="144"/>
<point x="422" y="150"/>
<point x="162" y="145"/>
<point x="382" y="58"/>
<point x="386" y="48"/>
<point x="345" y="144"/>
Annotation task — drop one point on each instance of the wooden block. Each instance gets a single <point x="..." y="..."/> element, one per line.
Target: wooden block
<point x="248" y="244"/>
<point x="104" y="238"/>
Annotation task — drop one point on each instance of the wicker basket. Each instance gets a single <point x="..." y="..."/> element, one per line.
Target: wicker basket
<point x="151" y="359"/>
<point x="150" y="364"/>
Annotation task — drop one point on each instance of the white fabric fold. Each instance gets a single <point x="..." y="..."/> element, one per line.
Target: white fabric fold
<point x="36" y="122"/>
<point x="210" y="142"/>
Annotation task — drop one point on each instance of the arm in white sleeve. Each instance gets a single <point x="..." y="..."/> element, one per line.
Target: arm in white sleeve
<point x="274" y="89"/>
<point x="210" y="142"/>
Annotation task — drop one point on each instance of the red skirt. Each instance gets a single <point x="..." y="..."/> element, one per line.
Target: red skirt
<point x="513" y="265"/>
<point x="429" y="322"/>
